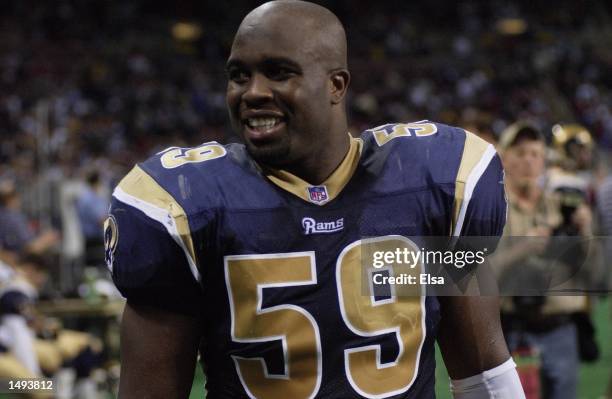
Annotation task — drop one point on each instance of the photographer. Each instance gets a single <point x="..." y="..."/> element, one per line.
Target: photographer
<point x="540" y="325"/>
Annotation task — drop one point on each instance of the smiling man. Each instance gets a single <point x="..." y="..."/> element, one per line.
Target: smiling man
<point x="287" y="81"/>
<point x="251" y="254"/>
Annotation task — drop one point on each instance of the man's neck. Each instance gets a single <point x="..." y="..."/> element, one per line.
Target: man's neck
<point x="317" y="170"/>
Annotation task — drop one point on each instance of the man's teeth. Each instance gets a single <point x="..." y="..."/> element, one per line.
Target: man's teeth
<point x="266" y="123"/>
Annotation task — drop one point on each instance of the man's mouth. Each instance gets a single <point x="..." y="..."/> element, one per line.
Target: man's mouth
<point x="263" y="128"/>
<point x="262" y="124"/>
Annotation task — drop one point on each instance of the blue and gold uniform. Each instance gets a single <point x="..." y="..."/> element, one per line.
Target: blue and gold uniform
<point x="272" y="263"/>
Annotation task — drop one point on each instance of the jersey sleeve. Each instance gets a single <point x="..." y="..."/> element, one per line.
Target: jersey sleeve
<point x="145" y="249"/>
<point x="480" y="202"/>
<point x="486" y="212"/>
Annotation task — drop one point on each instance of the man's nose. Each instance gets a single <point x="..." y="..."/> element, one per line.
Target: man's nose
<point x="258" y="90"/>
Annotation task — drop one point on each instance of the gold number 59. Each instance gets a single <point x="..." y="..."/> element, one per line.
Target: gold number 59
<point x="247" y="275"/>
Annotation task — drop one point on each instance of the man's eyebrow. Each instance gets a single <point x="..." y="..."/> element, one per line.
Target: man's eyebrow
<point x="266" y="61"/>
<point x="233" y="64"/>
<point x="280" y="60"/>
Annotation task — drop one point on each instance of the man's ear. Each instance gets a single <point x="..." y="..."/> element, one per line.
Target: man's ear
<point x="339" y="82"/>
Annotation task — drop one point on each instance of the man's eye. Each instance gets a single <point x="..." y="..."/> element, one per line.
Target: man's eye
<point x="280" y="73"/>
<point x="237" y="75"/>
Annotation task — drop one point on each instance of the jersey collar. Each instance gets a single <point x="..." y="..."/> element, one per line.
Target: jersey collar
<point x="330" y="188"/>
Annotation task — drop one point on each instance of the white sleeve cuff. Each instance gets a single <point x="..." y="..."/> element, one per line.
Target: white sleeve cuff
<point x="501" y="382"/>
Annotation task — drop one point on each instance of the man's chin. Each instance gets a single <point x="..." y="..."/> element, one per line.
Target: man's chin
<point x="527" y="183"/>
<point x="272" y="154"/>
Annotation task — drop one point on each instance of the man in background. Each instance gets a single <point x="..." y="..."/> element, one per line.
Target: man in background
<point x="92" y="209"/>
<point x="16" y="234"/>
<point x="544" y="324"/>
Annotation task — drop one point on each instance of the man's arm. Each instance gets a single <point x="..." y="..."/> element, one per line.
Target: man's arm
<point x="474" y="349"/>
<point x="158" y="353"/>
<point x="470" y="335"/>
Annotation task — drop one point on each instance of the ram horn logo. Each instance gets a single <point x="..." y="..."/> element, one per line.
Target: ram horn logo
<point x="111" y="237"/>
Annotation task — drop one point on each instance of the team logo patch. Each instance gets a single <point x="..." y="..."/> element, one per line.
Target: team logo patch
<point x="111" y="237"/>
<point x="311" y="226"/>
<point x="318" y="194"/>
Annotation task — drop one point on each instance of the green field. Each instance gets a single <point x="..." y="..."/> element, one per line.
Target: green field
<point x="593" y="377"/>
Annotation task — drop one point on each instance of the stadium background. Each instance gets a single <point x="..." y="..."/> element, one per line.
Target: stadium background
<point x="98" y="85"/>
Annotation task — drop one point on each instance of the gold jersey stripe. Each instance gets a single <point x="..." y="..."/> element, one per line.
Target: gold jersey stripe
<point x="139" y="184"/>
<point x="473" y="150"/>
<point x="334" y="183"/>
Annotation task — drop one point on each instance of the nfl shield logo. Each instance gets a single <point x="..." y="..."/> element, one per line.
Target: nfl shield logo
<point x="318" y="194"/>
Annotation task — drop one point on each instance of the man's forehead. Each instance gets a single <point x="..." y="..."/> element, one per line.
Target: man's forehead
<point x="263" y="42"/>
<point x="261" y="34"/>
<point x="282" y="17"/>
<point x="302" y="31"/>
<point x="527" y="144"/>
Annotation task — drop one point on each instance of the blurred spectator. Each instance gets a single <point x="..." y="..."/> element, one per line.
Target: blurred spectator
<point x="574" y="163"/>
<point x="92" y="208"/>
<point x="545" y="325"/>
<point x="604" y="205"/>
<point x="18" y="294"/>
<point x="16" y="235"/>
<point x="39" y="344"/>
<point x="16" y="337"/>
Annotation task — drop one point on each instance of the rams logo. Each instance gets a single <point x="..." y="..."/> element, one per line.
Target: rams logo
<point x="111" y="237"/>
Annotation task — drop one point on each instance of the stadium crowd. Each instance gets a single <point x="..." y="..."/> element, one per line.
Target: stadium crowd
<point x="90" y="88"/>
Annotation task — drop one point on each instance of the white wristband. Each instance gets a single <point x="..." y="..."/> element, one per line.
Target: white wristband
<point x="501" y="382"/>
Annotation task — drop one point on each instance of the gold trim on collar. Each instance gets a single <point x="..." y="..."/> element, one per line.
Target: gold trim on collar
<point x="333" y="184"/>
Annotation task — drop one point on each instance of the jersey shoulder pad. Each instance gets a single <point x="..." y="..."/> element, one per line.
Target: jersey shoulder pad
<point x="143" y="202"/>
<point x="418" y="135"/>
<point x="149" y="252"/>
<point x="207" y="177"/>
<point x="436" y="149"/>
<point x="201" y="162"/>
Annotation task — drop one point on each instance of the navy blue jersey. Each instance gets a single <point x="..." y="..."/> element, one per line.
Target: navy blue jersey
<point x="273" y="264"/>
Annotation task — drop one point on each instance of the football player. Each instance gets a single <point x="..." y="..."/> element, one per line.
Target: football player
<point x="250" y="254"/>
